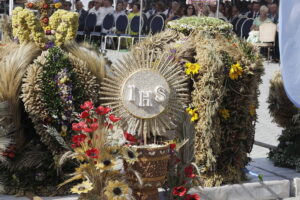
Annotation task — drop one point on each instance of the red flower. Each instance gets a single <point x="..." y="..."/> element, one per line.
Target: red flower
<point x="11" y="155"/>
<point x="45" y="6"/>
<point x="29" y="5"/>
<point x="88" y="105"/>
<point x="92" y="128"/>
<point x="192" y="197"/>
<point x="179" y="191"/>
<point x="74" y="146"/>
<point x="92" y="153"/>
<point x="188" y="171"/>
<point x="84" y="114"/>
<point x="113" y="118"/>
<point x="102" y="110"/>
<point x="77" y="139"/>
<point x="45" y="20"/>
<point x="78" y="126"/>
<point x="172" y="146"/>
<point x="130" y="137"/>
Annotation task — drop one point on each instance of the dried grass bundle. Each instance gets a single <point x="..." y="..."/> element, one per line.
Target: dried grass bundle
<point x="87" y="79"/>
<point x="12" y="70"/>
<point x="280" y="107"/>
<point x="95" y="61"/>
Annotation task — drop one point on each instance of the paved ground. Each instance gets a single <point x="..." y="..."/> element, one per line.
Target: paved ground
<point x="266" y="132"/>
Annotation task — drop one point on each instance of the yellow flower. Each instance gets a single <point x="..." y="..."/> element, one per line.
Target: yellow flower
<point x="252" y="110"/>
<point x="130" y="155"/>
<point x="106" y="163"/>
<point x="191" y="111"/>
<point x="235" y="71"/>
<point x="192" y="68"/>
<point x="83" y="187"/>
<point x="47" y="28"/>
<point x="57" y="5"/>
<point x="225" y="113"/>
<point x="117" y="190"/>
<point x="195" y="117"/>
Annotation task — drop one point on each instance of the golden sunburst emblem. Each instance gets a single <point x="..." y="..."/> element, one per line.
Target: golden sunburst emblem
<point x="149" y="91"/>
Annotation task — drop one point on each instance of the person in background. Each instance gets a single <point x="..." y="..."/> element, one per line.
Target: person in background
<point x="130" y="6"/>
<point x="91" y="5"/>
<point x="106" y="9"/>
<point x="222" y="12"/>
<point x="177" y="14"/>
<point x="119" y="10"/>
<point x="174" y="8"/>
<point x="125" y="5"/>
<point x="255" y="11"/>
<point x="82" y="15"/>
<point x="96" y="10"/>
<point x="212" y="9"/>
<point x="190" y="10"/>
<point x="67" y="5"/>
<point x="263" y="17"/>
<point x="273" y="12"/>
<point x="235" y="13"/>
<point x="202" y="9"/>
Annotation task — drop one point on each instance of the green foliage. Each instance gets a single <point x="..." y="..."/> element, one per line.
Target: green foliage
<point x="56" y="61"/>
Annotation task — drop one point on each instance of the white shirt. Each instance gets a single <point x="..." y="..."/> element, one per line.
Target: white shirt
<point x="117" y="14"/>
<point x="101" y="13"/>
<point x="97" y="12"/>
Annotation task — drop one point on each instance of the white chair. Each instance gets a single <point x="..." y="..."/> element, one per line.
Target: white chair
<point x="267" y="33"/>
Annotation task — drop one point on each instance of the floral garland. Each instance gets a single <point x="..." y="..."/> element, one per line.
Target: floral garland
<point x="59" y="83"/>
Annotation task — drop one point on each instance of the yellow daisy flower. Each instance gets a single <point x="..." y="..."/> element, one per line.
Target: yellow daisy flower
<point x="191" y="111"/>
<point x="117" y="190"/>
<point x="252" y="110"/>
<point x="235" y="71"/>
<point x="106" y="163"/>
<point x="130" y="155"/>
<point x="225" y="113"/>
<point x="57" y="5"/>
<point x="83" y="187"/>
<point x="192" y="68"/>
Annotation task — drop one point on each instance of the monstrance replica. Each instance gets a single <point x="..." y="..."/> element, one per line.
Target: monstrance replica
<point x="148" y="91"/>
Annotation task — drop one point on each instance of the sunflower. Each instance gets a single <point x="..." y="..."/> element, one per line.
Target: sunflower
<point x="235" y="71"/>
<point x="83" y="187"/>
<point x="106" y="163"/>
<point x="117" y="190"/>
<point x="192" y="68"/>
<point x="130" y="155"/>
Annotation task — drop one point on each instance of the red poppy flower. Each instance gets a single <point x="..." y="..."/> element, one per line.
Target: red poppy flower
<point x="45" y="20"/>
<point x="92" y="153"/>
<point x="88" y="105"/>
<point x="130" y="137"/>
<point x="78" y="126"/>
<point x="102" y="110"/>
<point x="84" y="114"/>
<point x="113" y="118"/>
<point x="179" y="191"/>
<point x="77" y="139"/>
<point x="188" y="171"/>
<point x="172" y="146"/>
<point x="92" y="128"/>
<point x="192" y="197"/>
